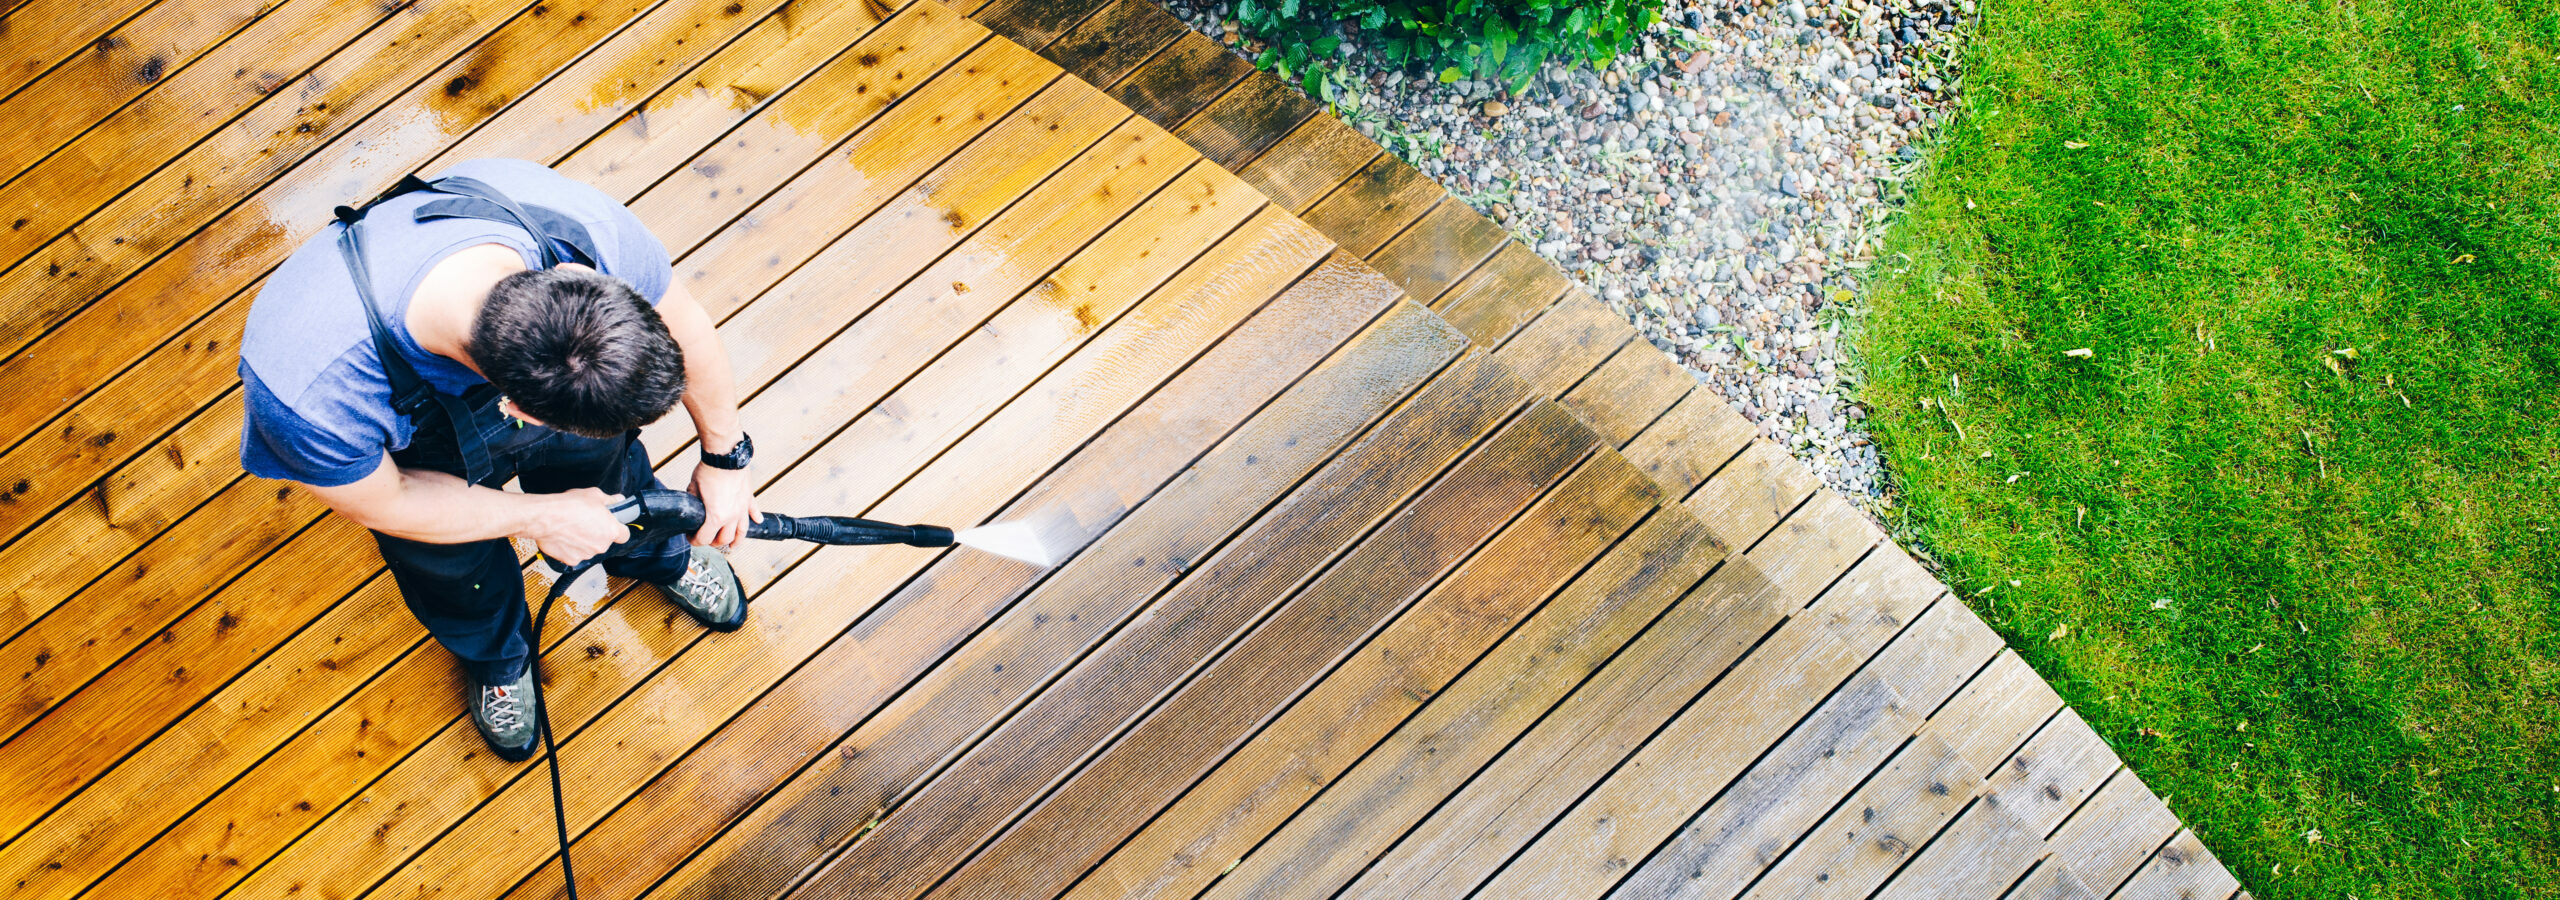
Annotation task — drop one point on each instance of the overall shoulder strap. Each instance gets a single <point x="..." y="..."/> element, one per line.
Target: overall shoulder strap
<point x="411" y="395"/>
<point x="488" y="202"/>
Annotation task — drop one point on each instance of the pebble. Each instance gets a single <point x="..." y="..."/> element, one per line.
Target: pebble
<point x="1723" y="188"/>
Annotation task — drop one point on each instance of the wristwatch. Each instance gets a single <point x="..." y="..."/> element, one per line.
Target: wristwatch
<point x="736" y="458"/>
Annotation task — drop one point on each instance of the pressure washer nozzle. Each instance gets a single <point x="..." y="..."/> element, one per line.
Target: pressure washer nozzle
<point x="929" y="536"/>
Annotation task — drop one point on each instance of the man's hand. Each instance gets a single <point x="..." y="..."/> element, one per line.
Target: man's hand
<point x="728" y="504"/>
<point x="575" y="525"/>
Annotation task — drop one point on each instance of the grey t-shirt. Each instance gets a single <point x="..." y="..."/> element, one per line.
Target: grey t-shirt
<point x="318" y="404"/>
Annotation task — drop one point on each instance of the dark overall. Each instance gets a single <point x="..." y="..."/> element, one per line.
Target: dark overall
<point x="471" y="596"/>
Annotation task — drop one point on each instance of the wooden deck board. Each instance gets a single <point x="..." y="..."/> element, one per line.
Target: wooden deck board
<point x="1352" y="608"/>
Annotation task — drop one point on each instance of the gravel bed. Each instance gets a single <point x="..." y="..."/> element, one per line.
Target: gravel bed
<point x="1722" y="188"/>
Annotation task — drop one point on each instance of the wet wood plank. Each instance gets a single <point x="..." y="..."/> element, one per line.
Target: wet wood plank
<point x="1374" y="204"/>
<point x="871" y="768"/>
<point x="1034" y="23"/>
<point x="1443" y="246"/>
<point x="1181" y="79"/>
<point x="1396" y="784"/>
<point x="1574" y="337"/>
<point x="1106" y="47"/>
<point x="1506" y="292"/>
<point x="1693" y="648"/>
<point x="1355" y="490"/>
<point x="1694" y="439"/>
<point x="1628" y="392"/>
<point x="1367" y="690"/>
<point x="1765" y="483"/>
<point x="1385" y="570"/>
<point x="1773" y="803"/>
<point x="1252" y="116"/>
<point x="1308" y="164"/>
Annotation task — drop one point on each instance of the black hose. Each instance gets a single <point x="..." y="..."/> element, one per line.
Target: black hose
<point x="542" y="717"/>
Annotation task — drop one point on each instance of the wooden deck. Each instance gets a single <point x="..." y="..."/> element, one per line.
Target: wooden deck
<point x="1401" y="569"/>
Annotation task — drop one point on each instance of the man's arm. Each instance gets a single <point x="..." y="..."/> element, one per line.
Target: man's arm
<point x="437" y="508"/>
<point x="711" y="398"/>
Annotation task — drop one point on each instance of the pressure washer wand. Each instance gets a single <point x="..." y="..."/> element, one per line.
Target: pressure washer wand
<point x="656" y="512"/>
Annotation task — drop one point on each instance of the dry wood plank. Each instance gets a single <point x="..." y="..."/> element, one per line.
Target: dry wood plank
<point x="1982" y="854"/>
<point x="1249" y="119"/>
<point x="1309" y="163"/>
<point x="2052" y="880"/>
<point x="73" y="187"/>
<point x="1443" y="246"/>
<point x="1571" y="339"/>
<point x="1628" y="392"/>
<point x="1282" y="668"/>
<point x="860" y="773"/>
<point x="36" y="35"/>
<point x="122" y="419"/>
<point x="1693" y="648"/>
<point x="1692" y="441"/>
<point x="634" y="741"/>
<point x="1340" y="502"/>
<point x="1446" y="522"/>
<point x="1109" y="45"/>
<point x="2114" y="832"/>
<point x="65" y="648"/>
<point x="1768" y="807"/>
<point x="1751" y="492"/>
<point x="1927" y="783"/>
<point x="2048" y="778"/>
<point x="154" y="46"/>
<point x="1034" y="23"/>
<point x="1423" y="759"/>
<point x="1374" y="204"/>
<point x="2182" y="870"/>
<point x="1506" y="292"/>
<point x="1180" y="79"/>
<point x="1020" y="151"/>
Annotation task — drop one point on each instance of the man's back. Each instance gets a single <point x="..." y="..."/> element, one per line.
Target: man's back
<point x="318" y="401"/>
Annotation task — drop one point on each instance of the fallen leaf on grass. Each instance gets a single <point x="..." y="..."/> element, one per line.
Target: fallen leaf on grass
<point x="2083" y="353"/>
<point x="2059" y="632"/>
<point x="2075" y="145"/>
<point x="2465" y="258"/>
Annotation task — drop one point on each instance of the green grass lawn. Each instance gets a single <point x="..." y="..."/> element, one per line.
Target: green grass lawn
<point x="2286" y="536"/>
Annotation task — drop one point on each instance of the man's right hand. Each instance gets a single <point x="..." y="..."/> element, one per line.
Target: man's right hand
<point x="575" y="525"/>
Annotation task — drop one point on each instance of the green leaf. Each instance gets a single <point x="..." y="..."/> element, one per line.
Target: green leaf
<point x="1289" y="9"/>
<point x="1244" y="10"/>
<point x="1316" y="86"/>
<point x="1451" y="75"/>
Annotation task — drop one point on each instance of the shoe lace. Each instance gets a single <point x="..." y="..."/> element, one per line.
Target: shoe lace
<point x="504" y="708"/>
<point x="701" y="581"/>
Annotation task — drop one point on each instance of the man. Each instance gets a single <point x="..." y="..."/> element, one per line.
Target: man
<point x="511" y="323"/>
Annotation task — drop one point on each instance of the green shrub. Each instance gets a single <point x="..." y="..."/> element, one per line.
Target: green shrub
<point x="1504" y="40"/>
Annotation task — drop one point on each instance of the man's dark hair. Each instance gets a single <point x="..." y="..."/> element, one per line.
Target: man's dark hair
<point x="578" y="349"/>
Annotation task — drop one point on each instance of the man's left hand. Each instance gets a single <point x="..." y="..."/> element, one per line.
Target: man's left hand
<point x="728" y="503"/>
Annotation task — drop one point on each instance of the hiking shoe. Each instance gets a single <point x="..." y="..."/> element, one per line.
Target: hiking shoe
<point x="709" y="591"/>
<point x="505" y="715"/>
